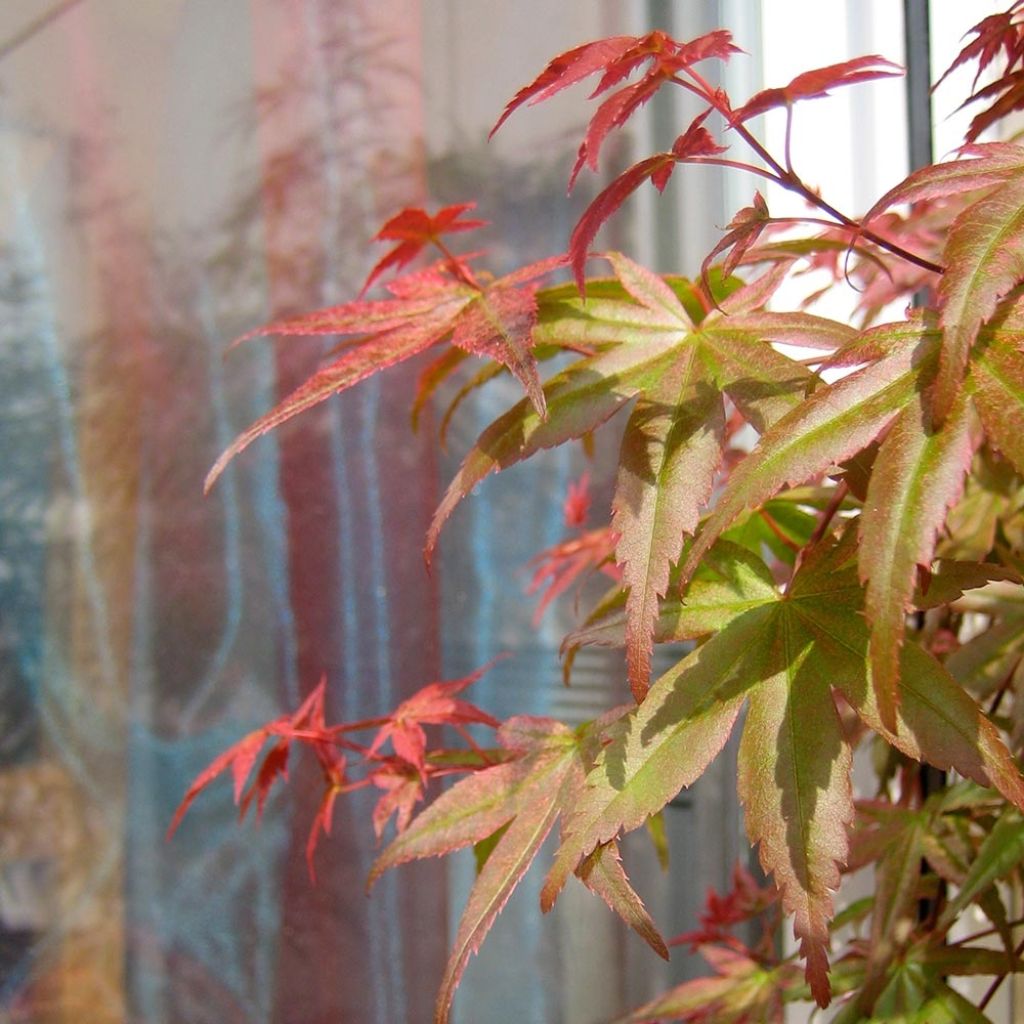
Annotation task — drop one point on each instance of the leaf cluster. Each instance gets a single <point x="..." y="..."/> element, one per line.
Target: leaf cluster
<point x="848" y="580"/>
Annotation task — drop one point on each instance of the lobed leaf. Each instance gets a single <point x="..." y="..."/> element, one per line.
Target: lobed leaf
<point x="984" y="258"/>
<point x="1002" y="851"/>
<point x="817" y="83"/>
<point x="794" y="781"/>
<point x="987" y="164"/>
<point x="603" y="874"/>
<point x="502" y="872"/>
<point x="665" y="744"/>
<point x="481" y="803"/>
<point x="834" y="423"/>
<point x="997" y="376"/>
<point x="918" y="474"/>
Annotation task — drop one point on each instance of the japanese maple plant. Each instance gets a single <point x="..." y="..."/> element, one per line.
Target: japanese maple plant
<point x="826" y="517"/>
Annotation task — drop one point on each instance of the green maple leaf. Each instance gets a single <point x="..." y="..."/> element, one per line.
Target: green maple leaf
<point x="508" y="810"/>
<point x="787" y="655"/>
<point x="680" y="372"/>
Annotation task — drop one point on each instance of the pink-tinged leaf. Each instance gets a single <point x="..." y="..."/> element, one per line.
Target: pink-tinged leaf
<point x="416" y="296"/>
<point x="434" y="704"/>
<point x="936" y="721"/>
<point x="478" y="805"/>
<point x="414" y="229"/>
<point x="980" y="166"/>
<point x="499" y="325"/>
<point x="403" y="789"/>
<point x="240" y="757"/>
<point x="321" y="823"/>
<point x="618" y="57"/>
<point x="274" y="767"/>
<point x="650" y="290"/>
<point x="741" y="991"/>
<point x="1009" y="98"/>
<point x="665" y="744"/>
<point x="763" y="384"/>
<point x="578" y="400"/>
<point x="918" y="474"/>
<point x="741" y="233"/>
<point x="794" y="780"/>
<point x="558" y="567"/>
<point x="612" y="113"/>
<point x="354" y="365"/>
<point x="576" y="506"/>
<point x="666" y="55"/>
<point x="602" y="873"/>
<point x="803" y="330"/>
<point x="502" y="872"/>
<point x="567" y="69"/>
<point x="695" y="142"/>
<point x="984" y="258"/>
<point x="670" y="452"/>
<point x="833" y="424"/>
<point x="817" y="83"/>
<point x="995" y="34"/>
<point x="997" y="376"/>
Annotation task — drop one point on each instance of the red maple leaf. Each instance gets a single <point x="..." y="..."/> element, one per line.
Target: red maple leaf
<point x="997" y="32"/>
<point x="306" y="724"/>
<point x="576" y="506"/>
<point x="558" y="567"/>
<point x="403" y="789"/>
<point x="434" y="704"/>
<point x="696" y="142"/>
<point x="495" y="319"/>
<point x="414" y="229"/>
<point x="817" y="83"/>
<point x="618" y="58"/>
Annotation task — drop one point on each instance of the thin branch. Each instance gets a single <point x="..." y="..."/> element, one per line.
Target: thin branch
<point x="999" y="979"/>
<point x="788" y="178"/>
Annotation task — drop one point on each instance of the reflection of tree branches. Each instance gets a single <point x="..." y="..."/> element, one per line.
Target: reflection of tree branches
<point x="33" y="28"/>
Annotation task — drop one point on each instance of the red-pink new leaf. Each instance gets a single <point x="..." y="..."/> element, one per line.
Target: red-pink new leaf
<point x="240" y="757"/>
<point x="499" y="325"/>
<point x="618" y="57"/>
<point x="817" y="83"/>
<point x="414" y="229"/>
<point x="695" y="142"/>
<point x="658" y="168"/>
<point x="979" y="166"/>
<point x="558" y="567"/>
<point x="403" y="789"/>
<point x="743" y="231"/>
<point x="567" y="69"/>
<point x="478" y="805"/>
<point x="321" y="823"/>
<point x="496" y="320"/>
<point x="434" y="704"/>
<point x="995" y="33"/>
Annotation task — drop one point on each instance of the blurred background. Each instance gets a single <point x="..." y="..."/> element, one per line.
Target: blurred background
<point x="174" y="173"/>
